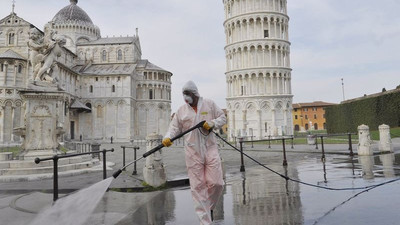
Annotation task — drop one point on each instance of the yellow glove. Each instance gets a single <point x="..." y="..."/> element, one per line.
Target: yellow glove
<point x="208" y="125"/>
<point x="167" y="142"/>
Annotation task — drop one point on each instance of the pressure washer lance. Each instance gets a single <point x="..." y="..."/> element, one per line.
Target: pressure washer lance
<point x="199" y="125"/>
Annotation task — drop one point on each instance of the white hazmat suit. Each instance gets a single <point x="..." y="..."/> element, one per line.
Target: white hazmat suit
<point x="201" y="152"/>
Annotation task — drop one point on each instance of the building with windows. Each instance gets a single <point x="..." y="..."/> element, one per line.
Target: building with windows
<point x="310" y="116"/>
<point x="110" y="90"/>
<point x="258" y="73"/>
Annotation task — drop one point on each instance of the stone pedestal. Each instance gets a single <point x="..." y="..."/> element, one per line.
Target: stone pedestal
<point x="364" y="141"/>
<point x="43" y="121"/>
<point x="154" y="171"/>
<point x="385" y="141"/>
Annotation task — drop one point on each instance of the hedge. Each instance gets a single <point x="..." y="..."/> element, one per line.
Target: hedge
<point x="371" y="111"/>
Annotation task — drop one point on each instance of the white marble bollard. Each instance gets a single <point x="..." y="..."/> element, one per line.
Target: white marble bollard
<point x="154" y="171"/>
<point x="385" y="141"/>
<point x="364" y="141"/>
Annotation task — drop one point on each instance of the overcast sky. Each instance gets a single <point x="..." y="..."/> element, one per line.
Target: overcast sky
<point x="356" y="40"/>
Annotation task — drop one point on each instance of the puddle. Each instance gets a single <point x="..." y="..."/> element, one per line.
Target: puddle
<point x="261" y="197"/>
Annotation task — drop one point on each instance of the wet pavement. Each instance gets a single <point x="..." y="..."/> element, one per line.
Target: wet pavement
<point x="256" y="196"/>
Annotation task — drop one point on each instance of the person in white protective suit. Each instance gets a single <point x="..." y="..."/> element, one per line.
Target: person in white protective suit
<point x="203" y="161"/>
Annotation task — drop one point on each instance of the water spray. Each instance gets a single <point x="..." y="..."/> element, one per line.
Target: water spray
<point x="118" y="172"/>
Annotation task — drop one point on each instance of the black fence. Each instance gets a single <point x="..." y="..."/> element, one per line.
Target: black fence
<point x="55" y="159"/>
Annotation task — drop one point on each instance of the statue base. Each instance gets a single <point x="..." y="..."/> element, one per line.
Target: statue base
<point x="43" y="111"/>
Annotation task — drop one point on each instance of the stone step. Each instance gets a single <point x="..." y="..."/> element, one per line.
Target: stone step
<point x="47" y="169"/>
<point x="6" y="156"/>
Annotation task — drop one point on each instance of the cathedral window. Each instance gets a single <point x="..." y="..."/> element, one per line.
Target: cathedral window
<point x="91" y="89"/>
<point x="11" y="38"/>
<point x="113" y="88"/>
<point x="119" y="78"/>
<point x="150" y="94"/>
<point x="2" y="67"/>
<point x="19" y="68"/>
<point x="119" y="57"/>
<point x="104" y="56"/>
<point x="97" y="79"/>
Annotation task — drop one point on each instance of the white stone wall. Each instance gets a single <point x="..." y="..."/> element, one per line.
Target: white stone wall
<point x="95" y="52"/>
<point x="258" y="73"/>
<point x="120" y="103"/>
<point x="75" y="33"/>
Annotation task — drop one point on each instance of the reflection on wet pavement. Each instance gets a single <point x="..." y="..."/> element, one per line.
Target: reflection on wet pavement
<point x="261" y="197"/>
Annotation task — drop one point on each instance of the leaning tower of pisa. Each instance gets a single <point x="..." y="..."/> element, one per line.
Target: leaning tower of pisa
<point x="258" y="73"/>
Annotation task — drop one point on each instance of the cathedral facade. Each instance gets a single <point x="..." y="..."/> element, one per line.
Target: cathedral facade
<point x="110" y="91"/>
<point x="258" y="73"/>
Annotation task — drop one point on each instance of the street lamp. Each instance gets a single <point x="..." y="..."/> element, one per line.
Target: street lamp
<point x="343" y="89"/>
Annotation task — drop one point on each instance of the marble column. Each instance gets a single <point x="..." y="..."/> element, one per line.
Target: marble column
<point x="154" y="172"/>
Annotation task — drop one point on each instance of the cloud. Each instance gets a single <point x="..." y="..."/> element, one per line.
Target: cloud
<point x="332" y="39"/>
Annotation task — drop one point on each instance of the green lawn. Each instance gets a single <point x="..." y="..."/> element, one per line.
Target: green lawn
<point x="14" y="150"/>
<point x="301" y="138"/>
<point x="394" y="133"/>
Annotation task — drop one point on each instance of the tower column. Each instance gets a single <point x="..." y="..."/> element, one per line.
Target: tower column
<point x="270" y="56"/>
<point x="259" y="124"/>
<point x="272" y="84"/>
<point x="244" y="121"/>
<point x="265" y="84"/>
<point x="278" y="84"/>
<point x="248" y="29"/>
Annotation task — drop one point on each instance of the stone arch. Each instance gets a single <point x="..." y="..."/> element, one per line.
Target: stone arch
<point x="229" y="106"/>
<point x="110" y="102"/>
<point x="99" y="104"/>
<point x="8" y="102"/>
<point x="251" y="106"/>
<point x="237" y="106"/>
<point x="121" y="102"/>
<point x="18" y="103"/>
<point x="265" y="105"/>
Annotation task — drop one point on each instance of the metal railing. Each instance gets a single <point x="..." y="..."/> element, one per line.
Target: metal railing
<point x="55" y="159"/>
<point x="135" y="148"/>
<point x="322" y="136"/>
<point x="283" y="139"/>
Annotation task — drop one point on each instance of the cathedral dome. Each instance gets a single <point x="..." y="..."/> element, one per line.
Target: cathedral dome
<point x="72" y="13"/>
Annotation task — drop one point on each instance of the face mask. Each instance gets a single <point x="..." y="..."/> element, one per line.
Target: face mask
<point x="188" y="99"/>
